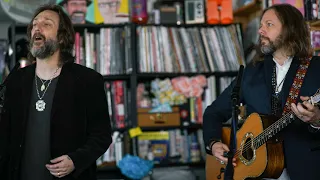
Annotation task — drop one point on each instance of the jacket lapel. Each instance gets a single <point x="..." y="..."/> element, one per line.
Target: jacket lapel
<point x="291" y="74"/>
<point x="27" y="87"/>
<point x="62" y="88"/>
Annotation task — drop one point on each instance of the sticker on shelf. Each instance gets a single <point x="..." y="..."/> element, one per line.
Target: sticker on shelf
<point x="135" y="132"/>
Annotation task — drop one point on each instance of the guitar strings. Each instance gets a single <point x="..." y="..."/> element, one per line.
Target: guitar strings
<point x="247" y="145"/>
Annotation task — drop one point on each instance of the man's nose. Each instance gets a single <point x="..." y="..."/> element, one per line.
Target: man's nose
<point x="37" y="28"/>
<point x="261" y="31"/>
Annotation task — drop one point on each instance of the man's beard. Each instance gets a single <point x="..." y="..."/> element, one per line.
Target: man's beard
<point x="78" y="17"/>
<point x="271" y="46"/>
<point x="46" y="50"/>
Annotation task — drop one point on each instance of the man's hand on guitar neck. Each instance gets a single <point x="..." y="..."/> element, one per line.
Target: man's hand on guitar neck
<point x="218" y="150"/>
<point x="307" y="112"/>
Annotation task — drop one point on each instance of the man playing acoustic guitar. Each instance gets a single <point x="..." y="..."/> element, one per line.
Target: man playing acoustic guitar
<point x="282" y="82"/>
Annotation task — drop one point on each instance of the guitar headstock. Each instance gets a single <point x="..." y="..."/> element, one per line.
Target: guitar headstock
<point x="315" y="99"/>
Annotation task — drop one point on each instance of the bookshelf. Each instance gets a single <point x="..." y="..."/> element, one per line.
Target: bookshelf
<point x="133" y="77"/>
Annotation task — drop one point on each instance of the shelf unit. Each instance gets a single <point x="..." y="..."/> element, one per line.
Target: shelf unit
<point x="314" y="26"/>
<point x="246" y="13"/>
<point x="134" y="77"/>
<point x="249" y="8"/>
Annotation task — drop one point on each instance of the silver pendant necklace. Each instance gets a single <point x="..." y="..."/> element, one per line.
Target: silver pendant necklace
<point x="40" y="104"/>
<point x="43" y="87"/>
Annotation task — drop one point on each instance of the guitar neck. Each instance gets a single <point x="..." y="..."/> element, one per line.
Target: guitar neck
<point x="273" y="129"/>
<point x="281" y="123"/>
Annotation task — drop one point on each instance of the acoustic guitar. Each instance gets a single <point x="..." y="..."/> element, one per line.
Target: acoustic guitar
<point x="259" y="151"/>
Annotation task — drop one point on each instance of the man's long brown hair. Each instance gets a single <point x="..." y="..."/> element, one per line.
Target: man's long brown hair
<point x="295" y="32"/>
<point x="65" y="34"/>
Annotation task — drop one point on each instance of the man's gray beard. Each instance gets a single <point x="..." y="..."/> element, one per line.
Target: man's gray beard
<point x="50" y="46"/>
<point x="271" y="47"/>
<point x="267" y="49"/>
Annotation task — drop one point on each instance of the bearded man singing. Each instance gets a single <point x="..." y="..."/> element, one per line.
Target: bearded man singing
<point x="55" y="122"/>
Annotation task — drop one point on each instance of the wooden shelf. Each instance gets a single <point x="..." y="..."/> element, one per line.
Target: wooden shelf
<point x="205" y="25"/>
<point x="189" y="74"/>
<point x="314" y="22"/>
<point x="108" y="166"/>
<point x="317" y="49"/>
<point x="191" y="126"/>
<point x="22" y="28"/>
<point x="314" y="25"/>
<point x="250" y="8"/>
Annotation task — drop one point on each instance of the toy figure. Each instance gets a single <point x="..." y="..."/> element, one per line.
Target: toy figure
<point x="219" y="12"/>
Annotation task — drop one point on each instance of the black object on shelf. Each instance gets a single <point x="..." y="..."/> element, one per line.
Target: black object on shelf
<point x="113" y="77"/>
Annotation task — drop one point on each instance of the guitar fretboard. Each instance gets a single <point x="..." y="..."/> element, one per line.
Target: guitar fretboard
<point x="276" y="127"/>
<point x="273" y="129"/>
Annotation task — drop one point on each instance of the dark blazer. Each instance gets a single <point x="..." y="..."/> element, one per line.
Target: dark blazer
<point x="256" y="88"/>
<point x="80" y="123"/>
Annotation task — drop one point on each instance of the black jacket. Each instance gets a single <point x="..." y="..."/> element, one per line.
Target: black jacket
<point x="80" y="123"/>
<point x="299" y="138"/>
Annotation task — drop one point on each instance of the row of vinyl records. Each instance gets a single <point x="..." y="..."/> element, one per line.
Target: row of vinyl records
<point x="160" y="147"/>
<point x="192" y="49"/>
<point x="107" y="52"/>
<point x="118" y="94"/>
<point x="161" y="49"/>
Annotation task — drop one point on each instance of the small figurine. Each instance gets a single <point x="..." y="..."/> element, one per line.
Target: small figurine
<point x="219" y="12"/>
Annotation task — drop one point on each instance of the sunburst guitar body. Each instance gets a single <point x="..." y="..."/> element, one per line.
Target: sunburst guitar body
<point x="259" y="152"/>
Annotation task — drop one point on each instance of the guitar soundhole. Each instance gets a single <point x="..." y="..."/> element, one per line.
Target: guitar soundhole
<point x="247" y="151"/>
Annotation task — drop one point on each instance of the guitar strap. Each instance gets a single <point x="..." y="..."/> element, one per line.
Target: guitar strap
<point x="296" y="85"/>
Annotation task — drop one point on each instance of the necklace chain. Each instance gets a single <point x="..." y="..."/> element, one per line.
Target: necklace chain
<point x="45" y="81"/>
<point x="277" y="87"/>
